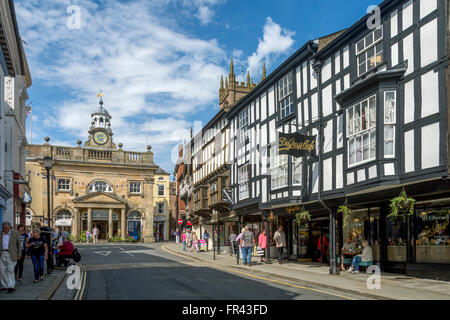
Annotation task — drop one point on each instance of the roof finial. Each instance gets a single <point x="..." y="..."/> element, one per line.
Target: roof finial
<point x="231" y="67"/>
<point x="264" y="71"/>
<point x="221" y="82"/>
<point x="100" y="95"/>
<point x="248" y="79"/>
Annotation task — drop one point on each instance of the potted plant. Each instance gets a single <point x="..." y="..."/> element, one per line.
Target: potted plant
<point x="303" y="217"/>
<point x="401" y="206"/>
<point x="346" y="212"/>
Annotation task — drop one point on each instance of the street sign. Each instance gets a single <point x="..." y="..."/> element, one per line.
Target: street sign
<point x="228" y="195"/>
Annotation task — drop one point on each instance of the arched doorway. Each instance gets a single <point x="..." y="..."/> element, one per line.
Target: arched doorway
<point x="135" y="225"/>
<point x="64" y="220"/>
<point x="100" y="219"/>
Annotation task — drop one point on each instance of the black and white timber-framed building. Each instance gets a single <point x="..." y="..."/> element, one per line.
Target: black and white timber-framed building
<point x="378" y="101"/>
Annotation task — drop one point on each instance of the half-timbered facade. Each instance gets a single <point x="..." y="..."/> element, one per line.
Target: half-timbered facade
<point x="376" y="98"/>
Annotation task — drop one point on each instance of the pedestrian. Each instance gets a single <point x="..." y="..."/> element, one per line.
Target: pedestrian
<point x="232" y="239"/>
<point x="184" y="239"/>
<point x="188" y="238"/>
<point x="95" y="233"/>
<point x="11" y="251"/>
<point x="88" y="236"/>
<point x="262" y="243"/>
<point x="238" y="240"/>
<point x="206" y="237"/>
<point x="194" y="241"/>
<point x="39" y="254"/>
<point x="18" y="270"/>
<point x="280" y="241"/>
<point x="65" y="234"/>
<point x="248" y="244"/>
<point x="177" y="235"/>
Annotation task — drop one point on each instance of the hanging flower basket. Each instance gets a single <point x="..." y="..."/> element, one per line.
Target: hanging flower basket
<point x="346" y="212"/>
<point x="303" y="217"/>
<point x="401" y="207"/>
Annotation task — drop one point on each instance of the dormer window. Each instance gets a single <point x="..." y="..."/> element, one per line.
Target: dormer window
<point x="369" y="51"/>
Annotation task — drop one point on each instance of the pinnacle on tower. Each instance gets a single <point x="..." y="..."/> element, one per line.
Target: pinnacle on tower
<point x="248" y="79"/>
<point x="231" y="67"/>
<point x="264" y="72"/>
<point x="221" y="82"/>
<point x="226" y="83"/>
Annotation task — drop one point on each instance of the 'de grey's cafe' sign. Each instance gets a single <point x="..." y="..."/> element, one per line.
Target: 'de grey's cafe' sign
<point x="297" y="145"/>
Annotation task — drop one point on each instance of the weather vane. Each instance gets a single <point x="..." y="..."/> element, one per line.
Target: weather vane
<point x="100" y="95"/>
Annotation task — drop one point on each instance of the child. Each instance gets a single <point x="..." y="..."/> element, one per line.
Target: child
<point x="88" y="236"/>
<point x="194" y="242"/>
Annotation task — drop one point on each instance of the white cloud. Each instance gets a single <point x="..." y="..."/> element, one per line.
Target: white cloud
<point x="205" y="14"/>
<point x="275" y="41"/>
<point x="143" y="64"/>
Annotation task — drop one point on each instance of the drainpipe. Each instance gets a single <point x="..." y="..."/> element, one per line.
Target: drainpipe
<point x="317" y="66"/>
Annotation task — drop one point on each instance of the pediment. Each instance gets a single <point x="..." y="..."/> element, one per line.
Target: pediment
<point x="100" y="197"/>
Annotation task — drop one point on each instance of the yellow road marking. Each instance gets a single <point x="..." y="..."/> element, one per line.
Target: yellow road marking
<point x="80" y="292"/>
<point x="262" y="278"/>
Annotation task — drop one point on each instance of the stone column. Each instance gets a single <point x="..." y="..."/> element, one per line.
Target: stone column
<point x="75" y="224"/>
<point x="110" y="224"/>
<point x="89" y="220"/>
<point x="123" y="224"/>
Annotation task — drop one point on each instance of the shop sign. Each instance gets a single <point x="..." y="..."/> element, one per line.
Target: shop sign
<point x="63" y="222"/>
<point x="228" y="195"/>
<point x="294" y="210"/>
<point x="297" y="145"/>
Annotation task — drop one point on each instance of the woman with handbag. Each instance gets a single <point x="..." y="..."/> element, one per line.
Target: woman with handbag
<point x="262" y="246"/>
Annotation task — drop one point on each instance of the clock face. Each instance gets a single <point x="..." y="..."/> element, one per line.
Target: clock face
<point x="100" y="138"/>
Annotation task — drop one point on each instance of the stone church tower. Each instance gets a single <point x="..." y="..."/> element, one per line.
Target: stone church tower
<point x="234" y="91"/>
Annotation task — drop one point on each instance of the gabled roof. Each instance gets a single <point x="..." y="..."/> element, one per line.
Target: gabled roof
<point x="102" y="196"/>
<point x="161" y="171"/>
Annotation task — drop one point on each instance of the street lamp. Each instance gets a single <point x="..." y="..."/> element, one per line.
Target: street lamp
<point x="48" y="163"/>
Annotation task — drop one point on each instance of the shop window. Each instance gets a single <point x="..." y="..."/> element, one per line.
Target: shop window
<point x="396" y="236"/>
<point x="362" y="225"/>
<point x="361" y="132"/>
<point x="369" y="51"/>
<point x="432" y="234"/>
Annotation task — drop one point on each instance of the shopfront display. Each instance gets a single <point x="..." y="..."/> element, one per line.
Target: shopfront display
<point x="432" y="235"/>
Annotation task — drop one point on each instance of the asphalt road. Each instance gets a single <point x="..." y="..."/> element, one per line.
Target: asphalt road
<point x="134" y="272"/>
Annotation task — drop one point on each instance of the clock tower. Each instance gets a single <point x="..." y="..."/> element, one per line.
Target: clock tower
<point x="100" y="133"/>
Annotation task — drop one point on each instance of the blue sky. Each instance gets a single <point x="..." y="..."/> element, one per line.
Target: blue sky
<point x="157" y="58"/>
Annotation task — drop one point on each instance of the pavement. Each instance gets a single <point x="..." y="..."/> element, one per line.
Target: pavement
<point x="314" y="275"/>
<point x="27" y="290"/>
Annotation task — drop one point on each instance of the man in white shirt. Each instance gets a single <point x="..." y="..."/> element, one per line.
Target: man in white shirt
<point x="280" y="240"/>
<point x="95" y="233"/>
<point x="10" y="251"/>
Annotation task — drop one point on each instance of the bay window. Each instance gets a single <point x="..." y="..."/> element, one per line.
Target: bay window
<point x="361" y="132"/>
<point x="389" y="123"/>
<point x="369" y="51"/>
<point x="278" y="169"/>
